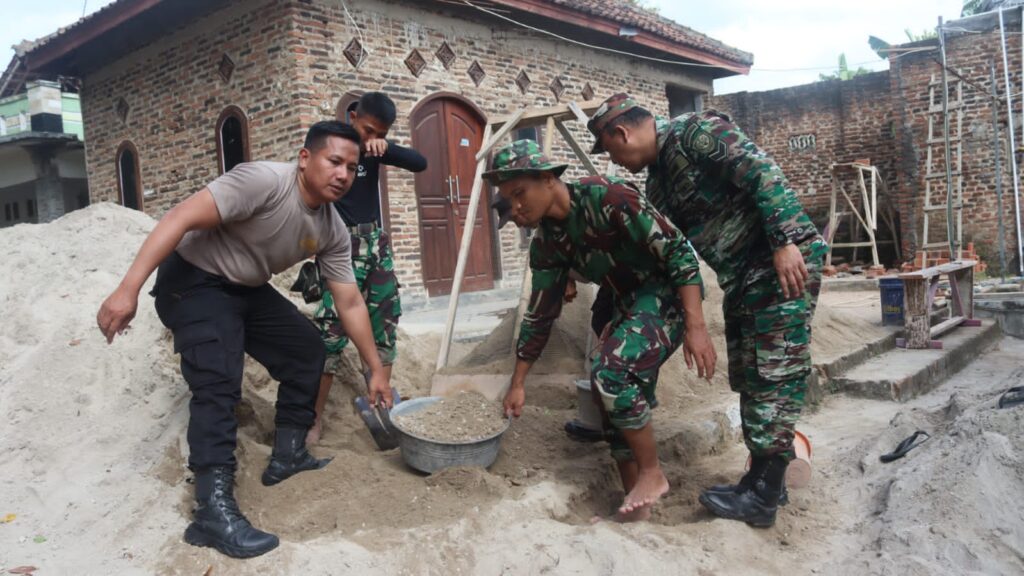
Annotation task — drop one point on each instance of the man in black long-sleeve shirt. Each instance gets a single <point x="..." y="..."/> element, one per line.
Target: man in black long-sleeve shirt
<point x="372" y="263"/>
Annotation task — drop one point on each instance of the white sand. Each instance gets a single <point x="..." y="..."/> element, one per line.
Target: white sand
<point x="92" y="438"/>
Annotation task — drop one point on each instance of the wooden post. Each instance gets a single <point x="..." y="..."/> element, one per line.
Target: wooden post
<point x="964" y="282"/>
<point x="580" y="153"/>
<point x="489" y="142"/>
<point x="833" y="221"/>
<point x="916" y="322"/>
<point x="467" y="238"/>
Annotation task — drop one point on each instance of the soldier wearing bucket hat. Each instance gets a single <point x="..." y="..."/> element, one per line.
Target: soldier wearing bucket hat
<point x="734" y="204"/>
<point x="605" y="231"/>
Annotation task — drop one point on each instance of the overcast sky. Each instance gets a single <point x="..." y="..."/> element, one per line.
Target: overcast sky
<point x="782" y="34"/>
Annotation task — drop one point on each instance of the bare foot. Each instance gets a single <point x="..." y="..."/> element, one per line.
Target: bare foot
<point x="639" y="515"/>
<point x="313" y="436"/>
<point x="650" y="486"/>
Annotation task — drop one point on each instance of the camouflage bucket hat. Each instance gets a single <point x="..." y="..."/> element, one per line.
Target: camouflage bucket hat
<point x="615" y="106"/>
<point x="518" y="158"/>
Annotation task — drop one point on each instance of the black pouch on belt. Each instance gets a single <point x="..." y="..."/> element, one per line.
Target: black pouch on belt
<point x="309" y="282"/>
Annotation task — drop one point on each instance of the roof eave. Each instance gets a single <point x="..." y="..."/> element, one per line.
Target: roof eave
<point x="84" y="31"/>
<point x="611" y="27"/>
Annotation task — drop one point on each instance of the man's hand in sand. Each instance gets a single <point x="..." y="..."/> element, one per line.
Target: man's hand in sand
<point x="379" y="389"/>
<point x="514" y="400"/>
<point x="116" y="312"/>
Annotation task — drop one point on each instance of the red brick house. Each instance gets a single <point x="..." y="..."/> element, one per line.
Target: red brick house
<point x="174" y="91"/>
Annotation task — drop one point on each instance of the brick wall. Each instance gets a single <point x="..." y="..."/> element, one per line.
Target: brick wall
<point x="968" y="55"/>
<point x="291" y="71"/>
<point x="883" y="116"/>
<point x="175" y="94"/>
<point x="808" y="128"/>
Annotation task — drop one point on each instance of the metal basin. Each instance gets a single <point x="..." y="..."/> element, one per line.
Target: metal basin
<point x="430" y="456"/>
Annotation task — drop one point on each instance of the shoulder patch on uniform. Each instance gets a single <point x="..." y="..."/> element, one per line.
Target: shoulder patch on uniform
<point x="705" y="144"/>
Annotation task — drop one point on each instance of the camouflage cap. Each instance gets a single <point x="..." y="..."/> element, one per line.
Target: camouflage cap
<point x="614" y="106"/>
<point x="518" y="158"/>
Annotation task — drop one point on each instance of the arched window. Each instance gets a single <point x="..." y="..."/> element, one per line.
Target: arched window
<point x="129" y="180"/>
<point x="232" y="138"/>
<point x="346" y="104"/>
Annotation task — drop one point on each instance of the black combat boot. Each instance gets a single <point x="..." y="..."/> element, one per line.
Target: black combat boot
<point x="757" y="464"/>
<point x="218" y="523"/>
<point x="290" y="457"/>
<point x="755" y="505"/>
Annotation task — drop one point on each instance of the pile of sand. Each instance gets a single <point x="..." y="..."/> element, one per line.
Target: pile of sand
<point x="463" y="417"/>
<point x="81" y="422"/>
<point x="952" y="504"/>
<point x="94" y="469"/>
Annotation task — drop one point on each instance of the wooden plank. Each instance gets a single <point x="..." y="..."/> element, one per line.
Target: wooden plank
<point x="581" y="116"/>
<point x="933" y="271"/>
<point x="549" y="135"/>
<point x="489" y="143"/>
<point x="580" y="153"/>
<point x="460" y="267"/>
<point x="538" y="116"/>
<point x="852" y="244"/>
<point x="962" y="281"/>
<point x="945" y="326"/>
<point x="524" y="302"/>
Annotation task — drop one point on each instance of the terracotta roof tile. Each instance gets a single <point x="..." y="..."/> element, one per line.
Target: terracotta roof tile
<point x="629" y="15"/>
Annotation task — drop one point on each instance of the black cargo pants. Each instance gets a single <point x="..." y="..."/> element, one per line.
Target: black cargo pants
<point x="215" y="323"/>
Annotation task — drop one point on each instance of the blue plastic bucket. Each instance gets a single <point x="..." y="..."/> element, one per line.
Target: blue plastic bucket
<point x="891" y="290"/>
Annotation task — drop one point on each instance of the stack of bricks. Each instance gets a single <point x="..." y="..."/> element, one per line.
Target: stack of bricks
<point x="928" y="258"/>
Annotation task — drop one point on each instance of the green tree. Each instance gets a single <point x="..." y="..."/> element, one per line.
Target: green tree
<point x="844" y="72"/>
<point x="972" y="7"/>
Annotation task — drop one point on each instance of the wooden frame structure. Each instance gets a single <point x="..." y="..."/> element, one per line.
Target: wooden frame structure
<point x="865" y="213"/>
<point x="919" y="290"/>
<point x="554" y="117"/>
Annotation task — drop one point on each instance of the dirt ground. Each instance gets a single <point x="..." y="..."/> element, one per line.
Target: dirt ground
<point x="94" y="458"/>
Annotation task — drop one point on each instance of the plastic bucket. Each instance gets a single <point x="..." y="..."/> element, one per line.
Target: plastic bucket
<point x="587" y="412"/>
<point x="891" y="290"/>
<point x="798" y="473"/>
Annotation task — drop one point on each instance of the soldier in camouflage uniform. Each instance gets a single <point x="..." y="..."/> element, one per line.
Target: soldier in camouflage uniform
<point x="606" y="232"/>
<point x="735" y="206"/>
<point x="361" y="210"/>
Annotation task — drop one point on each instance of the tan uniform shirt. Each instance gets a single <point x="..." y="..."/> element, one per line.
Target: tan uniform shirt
<point x="266" y="228"/>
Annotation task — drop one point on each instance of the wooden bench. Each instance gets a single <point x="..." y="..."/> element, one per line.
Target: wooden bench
<point x="919" y="289"/>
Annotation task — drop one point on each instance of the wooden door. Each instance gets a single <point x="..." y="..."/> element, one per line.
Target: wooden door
<point x="449" y="134"/>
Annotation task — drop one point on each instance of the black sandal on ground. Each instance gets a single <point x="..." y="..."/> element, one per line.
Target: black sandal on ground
<point x="1012" y="397"/>
<point x="905" y="446"/>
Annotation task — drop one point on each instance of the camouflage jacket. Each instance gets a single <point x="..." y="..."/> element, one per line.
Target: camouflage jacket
<point x="728" y="197"/>
<point x="612" y="236"/>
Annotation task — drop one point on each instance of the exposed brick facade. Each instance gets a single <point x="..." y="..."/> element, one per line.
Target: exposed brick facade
<point x="883" y="116"/>
<point x="290" y="71"/>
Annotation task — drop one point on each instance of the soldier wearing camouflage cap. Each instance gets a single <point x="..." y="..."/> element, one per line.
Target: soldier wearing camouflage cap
<point x="605" y="231"/>
<point x="738" y="211"/>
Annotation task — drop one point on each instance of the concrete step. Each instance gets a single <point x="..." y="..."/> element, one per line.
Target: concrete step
<point x="901" y="374"/>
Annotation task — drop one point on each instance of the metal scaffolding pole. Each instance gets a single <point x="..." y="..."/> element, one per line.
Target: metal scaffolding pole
<point x="950" y="234"/>
<point x="1013" y="144"/>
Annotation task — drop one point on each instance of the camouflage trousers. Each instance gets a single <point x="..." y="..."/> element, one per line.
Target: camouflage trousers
<point x="643" y="333"/>
<point x="375" y="276"/>
<point x="769" y="348"/>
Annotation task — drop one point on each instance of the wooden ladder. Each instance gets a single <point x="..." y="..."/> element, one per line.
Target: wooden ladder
<point x="935" y="169"/>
